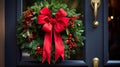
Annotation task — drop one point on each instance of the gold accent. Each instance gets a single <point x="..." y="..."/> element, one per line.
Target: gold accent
<point x="96" y="24"/>
<point x="95" y="62"/>
<point x="95" y="5"/>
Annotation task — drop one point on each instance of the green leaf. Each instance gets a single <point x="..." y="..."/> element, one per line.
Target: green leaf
<point x="66" y="46"/>
<point x="46" y="3"/>
<point x="73" y="51"/>
<point x="67" y="31"/>
<point x="33" y="44"/>
<point x="81" y="30"/>
<point x="28" y="33"/>
<point x="24" y="35"/>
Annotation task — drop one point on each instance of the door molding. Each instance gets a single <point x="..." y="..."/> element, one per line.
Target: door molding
<point x="107" y="62"/>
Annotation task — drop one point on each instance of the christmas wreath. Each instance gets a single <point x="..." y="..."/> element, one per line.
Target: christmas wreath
<point x="50" y="30"/>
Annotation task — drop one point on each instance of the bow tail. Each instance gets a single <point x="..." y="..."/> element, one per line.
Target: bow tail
<point x="59" y="47"/>
<point x="47" y="47"/>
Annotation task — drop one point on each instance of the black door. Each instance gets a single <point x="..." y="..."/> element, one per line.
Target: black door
<point x="96" y="43"/>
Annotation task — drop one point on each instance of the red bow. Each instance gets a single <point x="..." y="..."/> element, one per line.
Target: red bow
<point x="57" y="24"/>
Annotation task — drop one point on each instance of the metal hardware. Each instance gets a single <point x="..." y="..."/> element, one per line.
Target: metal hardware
<point x="95" y="5"/>
<point x="95" y="62"/>
<point x="95" y="24"/>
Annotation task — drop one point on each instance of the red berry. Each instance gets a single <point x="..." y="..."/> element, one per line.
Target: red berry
<point x="28" y="38"/>
<point x="38" y="48"/>
<point x="74" y="17"/>
<point x="70" y="35"/>
<point x="76" y="39"/>
<point x="70" y="38"/>
<point x="41" y="51"/>
<point x="67" y="41"/>
<point x="27" y="22"/>
<point x="72" y="23"/>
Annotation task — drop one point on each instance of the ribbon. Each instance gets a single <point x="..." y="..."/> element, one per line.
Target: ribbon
<point x="53" y="25"/>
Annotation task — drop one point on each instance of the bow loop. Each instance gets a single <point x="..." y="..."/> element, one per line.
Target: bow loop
<point x="61" y="13"/>
<point x="64" y="21"/>
<point x="42" y="19"/>
<point x="45" y="11"/>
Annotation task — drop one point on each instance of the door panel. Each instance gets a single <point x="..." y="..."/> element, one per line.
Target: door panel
<point x="94" y="37"/>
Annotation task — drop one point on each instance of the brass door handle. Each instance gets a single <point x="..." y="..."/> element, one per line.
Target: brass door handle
<point x="95" y="62"/>
<point x="95" y="5"/>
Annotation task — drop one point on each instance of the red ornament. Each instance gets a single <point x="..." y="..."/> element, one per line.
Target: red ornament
<point x="67" y="41"/>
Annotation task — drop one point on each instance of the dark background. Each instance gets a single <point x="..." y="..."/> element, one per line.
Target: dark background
<point x="114" y="29"/>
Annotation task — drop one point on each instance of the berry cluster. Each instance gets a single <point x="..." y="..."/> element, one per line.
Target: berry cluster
<point x="72" y="22"/>
<point x="70" y="42"/>
<point x="27" y="15"/>
<point x="27" y="20"/>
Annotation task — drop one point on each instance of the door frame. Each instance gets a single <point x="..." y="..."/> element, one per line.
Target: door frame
<point x="107" y="62"/>
<point x="12" y="55"/>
